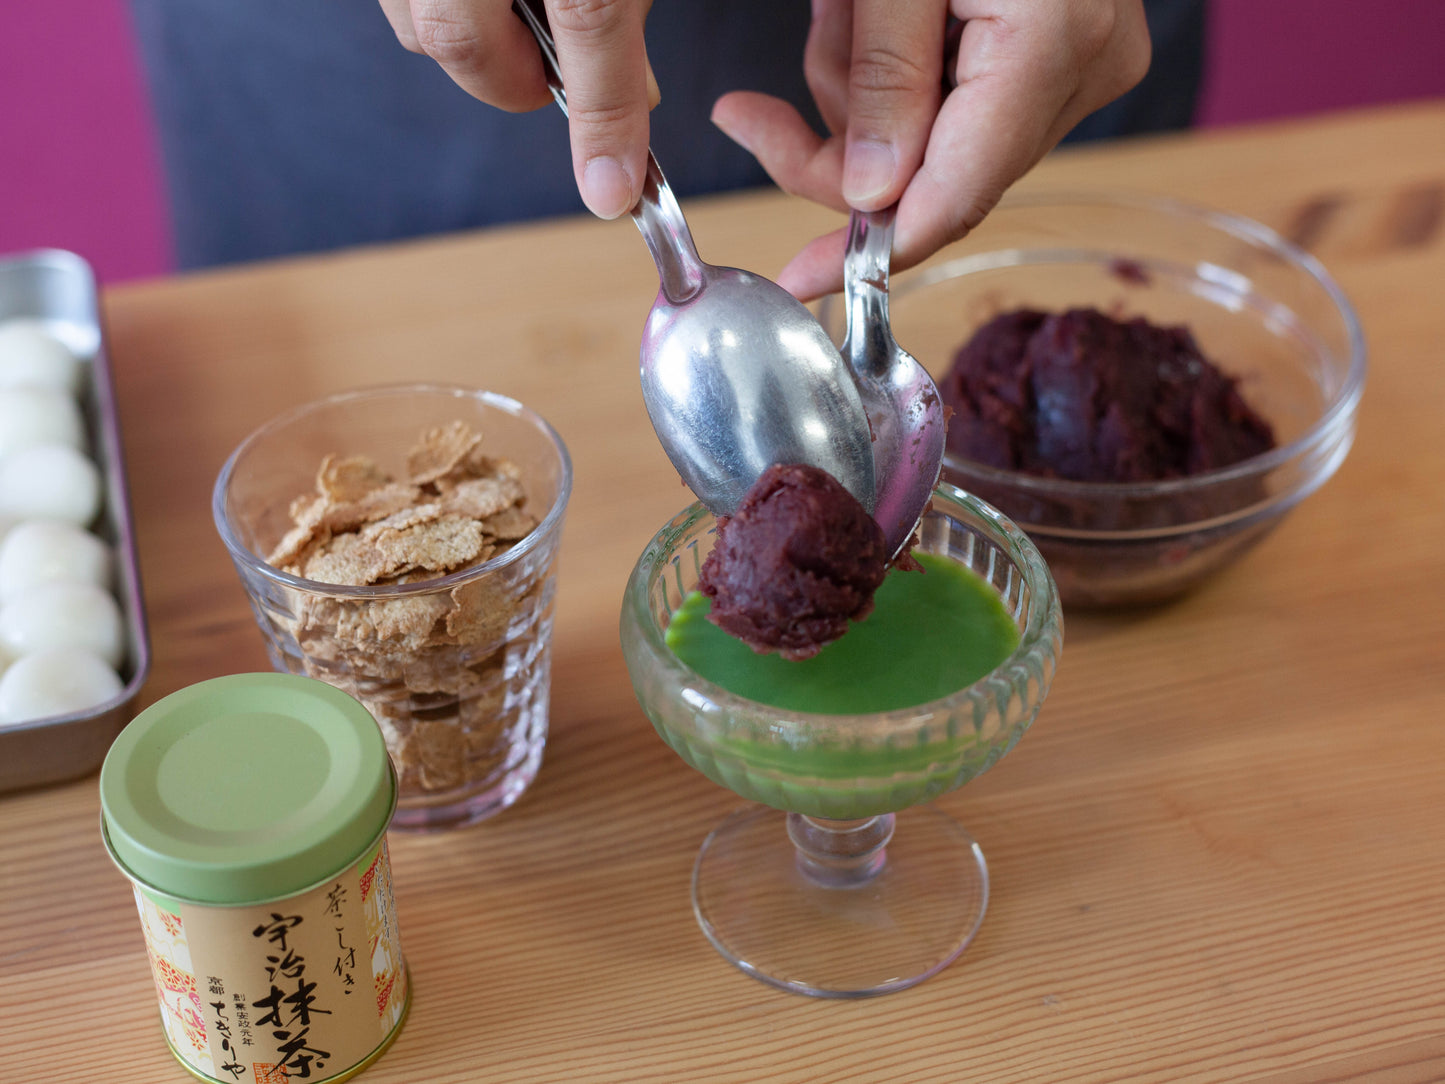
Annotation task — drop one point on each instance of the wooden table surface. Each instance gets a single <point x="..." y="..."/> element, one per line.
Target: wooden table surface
<point x="1218" y="855"/>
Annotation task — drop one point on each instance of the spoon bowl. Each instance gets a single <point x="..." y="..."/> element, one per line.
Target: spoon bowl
<point x="901" y="399"/>
<point x="739" y="376"/>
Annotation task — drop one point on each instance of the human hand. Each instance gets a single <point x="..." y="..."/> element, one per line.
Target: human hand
<point x="1026" y="72"/>
<point x="485" y="47"/>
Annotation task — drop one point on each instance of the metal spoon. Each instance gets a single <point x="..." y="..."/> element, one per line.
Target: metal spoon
<point x="902" y="401"/>
<point x="737" y="374"/>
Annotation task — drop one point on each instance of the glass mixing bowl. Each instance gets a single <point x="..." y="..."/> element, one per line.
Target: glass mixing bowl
<point x="1260" y="308"/>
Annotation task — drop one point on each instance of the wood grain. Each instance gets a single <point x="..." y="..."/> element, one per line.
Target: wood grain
<point x="1218" y="856"/>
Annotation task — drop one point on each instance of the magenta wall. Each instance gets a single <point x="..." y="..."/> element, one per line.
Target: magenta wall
<point x="79" y="169"/>
<point x="78" y="163"/>
<point x="1277" y="58"/>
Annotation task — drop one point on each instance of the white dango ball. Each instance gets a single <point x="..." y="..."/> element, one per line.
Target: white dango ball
<point x="39" y="416"/>
<point x="47" y="551"/>
<point x="56" y="681"/>
<point x="30" y="356"/>
<point x="49" y="481"/>
<point x="63" y="614"/>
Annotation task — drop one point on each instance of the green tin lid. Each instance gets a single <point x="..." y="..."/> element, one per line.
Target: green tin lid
<point x="245" y="788"/>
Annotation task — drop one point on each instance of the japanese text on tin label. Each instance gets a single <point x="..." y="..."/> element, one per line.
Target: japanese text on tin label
<point x="291" y="1001"/>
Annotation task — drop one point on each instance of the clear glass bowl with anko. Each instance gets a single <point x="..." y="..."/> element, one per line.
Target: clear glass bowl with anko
<point x="841" y="881"/>
<point x="1262" y="309"/>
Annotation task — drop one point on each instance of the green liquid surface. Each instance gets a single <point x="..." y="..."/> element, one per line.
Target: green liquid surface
<point x="929" y="635"/>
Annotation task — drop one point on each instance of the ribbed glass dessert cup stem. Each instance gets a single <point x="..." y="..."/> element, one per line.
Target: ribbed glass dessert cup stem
<point x="839" y="881"/>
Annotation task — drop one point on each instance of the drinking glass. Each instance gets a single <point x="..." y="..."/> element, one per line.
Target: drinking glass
<point x="456" y="670"/>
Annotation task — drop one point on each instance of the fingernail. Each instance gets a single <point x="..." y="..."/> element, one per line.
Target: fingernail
<point x="868" y="170"/>
<point x="725" y="130"/>
<point x="605" y="188"/>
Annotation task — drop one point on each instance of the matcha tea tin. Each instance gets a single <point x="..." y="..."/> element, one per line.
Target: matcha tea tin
<point x="250" y="814"/>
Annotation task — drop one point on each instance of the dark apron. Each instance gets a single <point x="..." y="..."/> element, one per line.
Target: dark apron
<point x="297" y="125"/>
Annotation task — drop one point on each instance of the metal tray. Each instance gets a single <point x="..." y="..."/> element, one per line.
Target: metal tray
<point x="59" y="287"/>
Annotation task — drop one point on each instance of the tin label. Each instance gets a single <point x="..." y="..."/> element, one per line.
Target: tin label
<point x="303" y="988"/>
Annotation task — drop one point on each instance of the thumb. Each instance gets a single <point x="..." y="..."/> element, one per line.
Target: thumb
<point x="894" y="90"/>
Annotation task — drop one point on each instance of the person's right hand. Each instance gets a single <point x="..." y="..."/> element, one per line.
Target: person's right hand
<point x="1026" y="71"/>
<point x="485" y="47"/>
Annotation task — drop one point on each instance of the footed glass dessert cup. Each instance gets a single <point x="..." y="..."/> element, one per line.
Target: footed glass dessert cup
<point x="839" y="881"/>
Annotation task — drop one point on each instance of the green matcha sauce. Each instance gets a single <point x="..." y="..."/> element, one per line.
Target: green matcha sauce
<point x="929" y="635"/>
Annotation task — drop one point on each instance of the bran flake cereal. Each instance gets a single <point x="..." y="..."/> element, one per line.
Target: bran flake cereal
<point x="428" y="665"/>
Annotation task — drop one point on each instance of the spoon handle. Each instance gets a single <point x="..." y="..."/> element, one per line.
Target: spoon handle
<point x="657" y="213"/>
<point x="870" y="342"/>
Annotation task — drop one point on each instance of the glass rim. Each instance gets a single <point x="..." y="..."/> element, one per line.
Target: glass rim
<point x="1039" y="636"/>
<point x="1343" y="403"/>
<point x="546" y="526"/>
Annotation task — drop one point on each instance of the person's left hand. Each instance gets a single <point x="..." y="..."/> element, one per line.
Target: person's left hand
<point x="1027" y="71"/>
